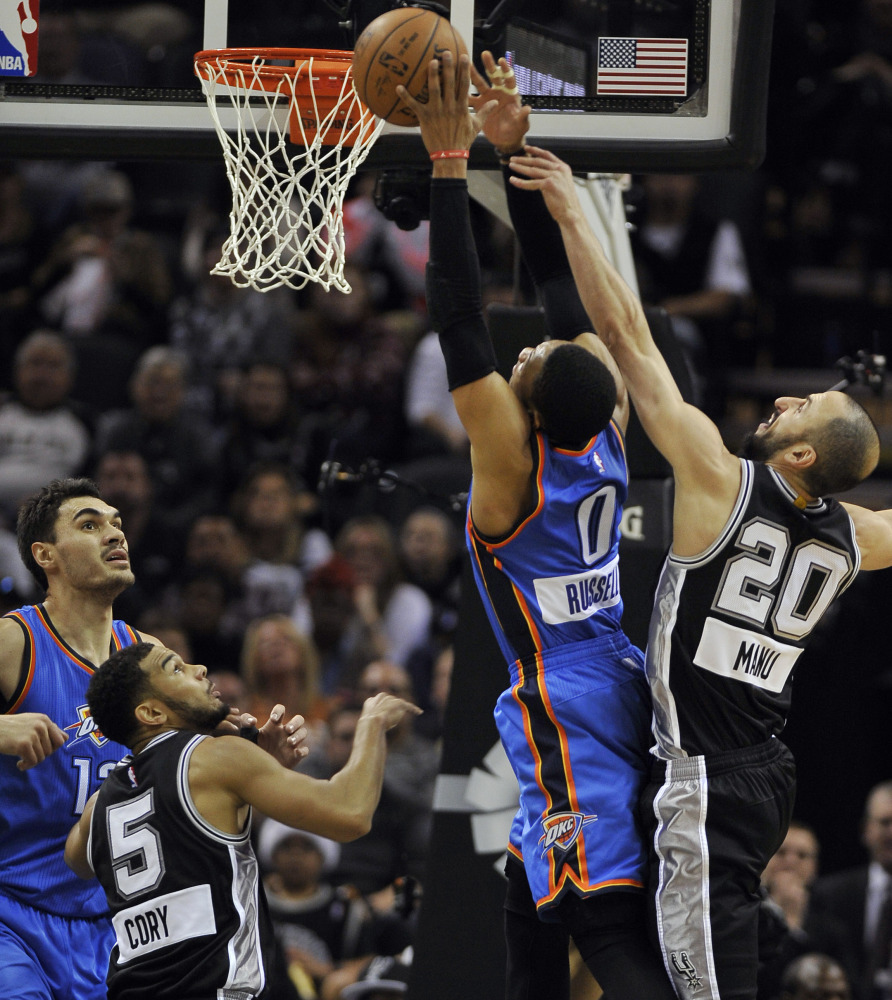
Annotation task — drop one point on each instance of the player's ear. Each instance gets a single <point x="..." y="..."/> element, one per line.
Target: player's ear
<point x="44" y="554"/>
<point x="151" y="713"/>
<point x="800" y="455"/>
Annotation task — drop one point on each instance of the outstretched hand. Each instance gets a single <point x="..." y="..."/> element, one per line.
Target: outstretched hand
<point x="445" y="120"/>
<point x="389" y="708"/>
<point x="538" y="169"/>
<point x="508" y="122"/>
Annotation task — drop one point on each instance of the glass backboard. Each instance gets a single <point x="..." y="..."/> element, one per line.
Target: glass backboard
<point x="616" y="85"/>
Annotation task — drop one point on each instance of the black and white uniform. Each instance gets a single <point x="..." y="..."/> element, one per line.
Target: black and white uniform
<point x="727" y="628"/>
<point x="187" y="905"/>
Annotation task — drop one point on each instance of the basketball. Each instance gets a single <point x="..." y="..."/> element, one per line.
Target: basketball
<point x="396" y="49"/>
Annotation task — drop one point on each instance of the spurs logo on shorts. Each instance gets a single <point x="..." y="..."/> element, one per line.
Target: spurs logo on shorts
<point x="685" y="967"/>
<point x="561" y="830"/>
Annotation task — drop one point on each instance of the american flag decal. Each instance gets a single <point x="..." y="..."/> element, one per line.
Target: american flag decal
<point x="646" y="67"/>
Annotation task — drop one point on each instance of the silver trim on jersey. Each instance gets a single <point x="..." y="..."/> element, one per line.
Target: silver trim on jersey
<point x="664" y="725"/>
<point x="244" y="947"/>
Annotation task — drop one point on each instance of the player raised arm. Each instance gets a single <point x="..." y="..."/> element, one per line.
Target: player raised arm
<point x="538" y="234"/>
<point x="497" y="423"/>
<point x="707" y="475"/>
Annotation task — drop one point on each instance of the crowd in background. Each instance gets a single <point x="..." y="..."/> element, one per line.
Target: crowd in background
<point x="288" y="465"/>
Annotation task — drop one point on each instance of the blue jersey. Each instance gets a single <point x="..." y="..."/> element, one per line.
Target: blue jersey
<point x="555" y="579"/>
<point x="41" y="805"/>
<point x="574" y="720"/>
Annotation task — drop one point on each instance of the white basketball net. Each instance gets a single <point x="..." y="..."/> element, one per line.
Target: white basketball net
<point x="286" y="224"/>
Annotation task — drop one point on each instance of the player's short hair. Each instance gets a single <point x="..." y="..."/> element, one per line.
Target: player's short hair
<point x="38" y="515"/>
<point x="575" y="395"/>
<point x="847" y="449"/>
<point x="115" y="690"/>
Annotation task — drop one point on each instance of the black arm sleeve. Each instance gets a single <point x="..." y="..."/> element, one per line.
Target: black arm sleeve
<point x="543" y="252"/>
<point x="454" y="301"/>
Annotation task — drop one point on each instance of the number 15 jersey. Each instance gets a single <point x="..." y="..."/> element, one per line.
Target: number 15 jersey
<point x="730" y="623"/>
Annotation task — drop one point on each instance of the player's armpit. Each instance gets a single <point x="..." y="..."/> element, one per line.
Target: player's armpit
<point x="873" y="535"/>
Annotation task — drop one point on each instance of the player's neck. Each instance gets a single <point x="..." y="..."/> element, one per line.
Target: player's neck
<point x="85" y="623"/>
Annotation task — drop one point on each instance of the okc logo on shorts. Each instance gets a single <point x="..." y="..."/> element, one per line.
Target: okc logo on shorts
<point x="85" y="728"/>
<point x="561" y="830"/>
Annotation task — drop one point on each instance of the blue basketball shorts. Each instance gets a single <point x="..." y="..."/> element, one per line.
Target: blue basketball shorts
<point x="45" y="957"/>
<point x="575" y="725"/>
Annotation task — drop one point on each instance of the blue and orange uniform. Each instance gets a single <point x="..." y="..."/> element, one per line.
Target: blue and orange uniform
<point x="575" y="719"/>
<point x="54" y="926"/>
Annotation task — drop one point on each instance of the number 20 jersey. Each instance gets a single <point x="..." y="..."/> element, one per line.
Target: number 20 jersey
<point x="730" y="623"/>
<point x="555" y="579"/>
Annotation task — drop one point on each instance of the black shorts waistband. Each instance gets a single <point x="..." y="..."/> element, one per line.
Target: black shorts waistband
<point x="713" y="764"/>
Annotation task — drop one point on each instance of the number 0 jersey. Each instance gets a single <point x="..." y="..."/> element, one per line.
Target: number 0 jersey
<point x="729" y="624"/>
<point x="555" y="578"/>
<point x="187" y="907"/>
<point x="40" y="805"/>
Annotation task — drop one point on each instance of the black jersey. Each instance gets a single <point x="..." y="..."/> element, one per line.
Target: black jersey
<point x="187" y="905"/>
<point x="729" y="624"/>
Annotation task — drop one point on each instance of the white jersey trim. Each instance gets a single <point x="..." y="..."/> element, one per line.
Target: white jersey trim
<point x="747" y="479"/>
<point x="189" y="806"/>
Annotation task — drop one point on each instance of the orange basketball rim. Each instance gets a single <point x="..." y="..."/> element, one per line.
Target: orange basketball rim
<point x="318" y="84"/>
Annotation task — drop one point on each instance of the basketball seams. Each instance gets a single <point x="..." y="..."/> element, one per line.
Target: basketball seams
<point x="372" y="62"/>
<point x="422" y="61"/>
<point x="374" y="74"/>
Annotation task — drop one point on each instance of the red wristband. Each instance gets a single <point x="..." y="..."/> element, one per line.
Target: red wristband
<point x="451" y="154"/>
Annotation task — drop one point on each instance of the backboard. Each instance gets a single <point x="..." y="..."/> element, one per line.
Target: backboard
<point x="616" y="85"/>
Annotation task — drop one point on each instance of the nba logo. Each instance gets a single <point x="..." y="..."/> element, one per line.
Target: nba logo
<point x="18" y="37"/>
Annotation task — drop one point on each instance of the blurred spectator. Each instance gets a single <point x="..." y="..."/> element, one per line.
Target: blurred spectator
<point x="43" y="434"/>
<point x="320" y="927"/>
<point x="222" y="328"/>
<point x="383" y="979"/>
<point x="204" y="601"/>
<point x="168" y="631"/>
<point x="348" y="365"/>
<point x="695" y="268"/>
<point x="213" y="542"/>
<point x="344" y="645"/>
<point x="315" y="924"/>
<point x="397" y="844"/>
<point x="430" y="547"/>
<point x="394" y="616"/>
<point x="430" y="725"/>
<point x="815" y="977"/>
<point x="180" y="450"/>
<point x="430" y="413"/>
<point x="154" y="545"/>
<point x="20" y="250"/>
<point x="797" y="929"/>
<point x="861" y="897"/>
<point x="103" y="277"/>
<point x="280" y="665"/>
<point x="17" y="586"/>
<point x="265" y="427"/>
<point x="270" y="507"/>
